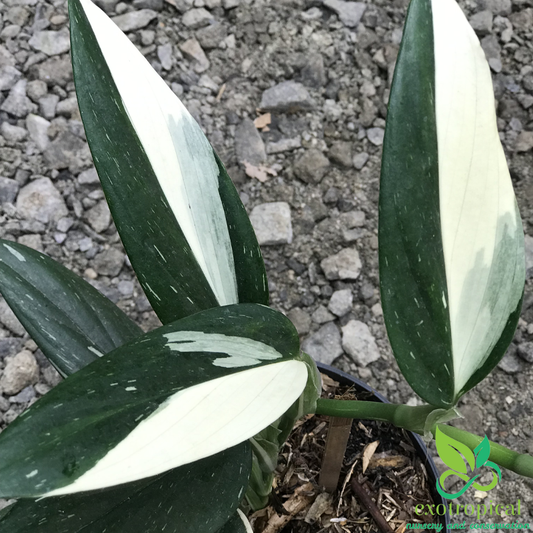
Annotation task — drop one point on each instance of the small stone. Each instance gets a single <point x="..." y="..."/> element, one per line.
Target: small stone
<point x="107" y="5"/>
<point x="192" y="50"/>
<point x="64" y="224"/>
<point x="482" y="22"/>
<point x="359" y="343"/>
<point x="230" y="4"/>
<point x="38" y="130"/>
<point x="322" y="315"/>
<point x="18" y="15"/>
<point x="12" y="133"/>
<point x="26" y="395"/>
<point x="211" y="36"/>
<point x="20" y="371"/>
<point x="68" y="108"/>
<point x="312" y="14"/>
<point x="10" y="32"/>
<point x="341" y="153"/>
<point x="51" y="376"/>
<point x="55" y="71"/>
<point x="67" y="151"/>
<point x="528" y="244"/>
<point x="510" y="363"/>
<point x="51" y="43"/>
<point x="8" y="77"/>
<point x="524" y="141"/>
<point x="349" y="13"/>
<point x="284" y="145"/>
<point x="9" y="320"/>
<point x="109" y="262"/>
<point x="36" y="89"/>
<point x="8" y="190"/>
<point x="99" y="217"/>
<point x="525" y="351"/>
<point x="88" y="177"/>
<point x="208" y="83"/>
<point x="300" y="319"/>
<point x="353" y="219"/>
<point x="272" y="223"/>
<point x="360" y="160"/>
<point x="313" y="72"/>
<point x="134" y="20"/>
<point x="156" y="5"/>
<point x="164" y="54"/>
<point x="376" y="135"/>
<point x="125" y="287"/>
<point x="40" y="200"/>
<point x="341" y="302"/>
<point x="497" y="7"/>
<point x="197" y="18"/>
<point x="147" y="37"/>
<point x="344" y="265"/>
<point x="249" y="146"/>
<point x="32" y="240"/>
<point x="48" y="105"/>
<point x="287" y="96"/>
<point x="324" y="345"/>
<point x="312" y="166"/>
<point x="17" y="103"/>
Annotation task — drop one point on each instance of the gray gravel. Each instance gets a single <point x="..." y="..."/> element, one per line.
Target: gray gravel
<point x="323" y="69"/>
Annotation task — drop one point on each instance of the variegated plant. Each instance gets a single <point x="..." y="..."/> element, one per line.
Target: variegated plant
<point x="168" y="430"/>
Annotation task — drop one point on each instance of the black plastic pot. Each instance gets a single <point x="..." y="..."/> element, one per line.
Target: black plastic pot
<point x="418" y="444"/>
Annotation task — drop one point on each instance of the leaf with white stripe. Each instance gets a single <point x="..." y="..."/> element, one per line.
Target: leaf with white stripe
<point x="185" y="391"/>
<point x="71" y="322"/>
<point x="196" y="497"/>
<point x="179" y="216"/>
<point x="451" y="242"/>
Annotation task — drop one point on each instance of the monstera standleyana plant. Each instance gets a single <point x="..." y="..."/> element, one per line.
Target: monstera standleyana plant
<point x="172" y="429"/>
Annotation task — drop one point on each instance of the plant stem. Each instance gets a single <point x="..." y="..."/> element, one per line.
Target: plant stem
<point x="413" y="419"/>
<point x="521" y="463"/>
<point x="403" y="416"/>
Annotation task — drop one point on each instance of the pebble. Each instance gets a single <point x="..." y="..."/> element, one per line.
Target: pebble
<point x="272" y="223"/>
<point x="313" y="72"/>
<point x="48" y="105"/>
<point x="51" y="43"/>
<point x="360" y="160"/>
<point x="8" y="189"/>
<point x="375" y="136"/>
<point x="325" y="344"/>
<point x="249" y="145"/>
<point x="510" y="363"/>
<point x="17" y="103"/>
<point x="38" y="130"/>
<point x="283" y="145"/>
<point x="341" y="153"/>
<point x="67" y="151"/>
<point x="192" y="50"/>
<point x="88" y="177"/>
<point x="482" y="22"/>
<point x="524" y="141"/>
<point x="525" y="351"/>
<point x="211" y="36"/>
<point x="20" y="372"/>
<point x="287" y="96"/>
<point x="99" y="216"/>
<point x="322" y="315"/>
<point x="40" y="200"/>
<point x="156" y="5"/>
<point x="528" y="244"/>
<point x="349" y="13"/>
<point x="24" y="396"/>
<point x="109" y="262"/>
<point x="344" y="265"/>
<point x="9" y="75"/>
<point x="36" y="89"/>
<point x="312" y="166"/>
<point x="135" y="20"/>
<point x="197" y="18"/>
<point x="359" y="343"/>
<point x="164" y="53"/>
<point x="55" y="71"/>
<point x="341" y="302"/>
<point x="300" y="319"/>
<point x="12" y="133"/>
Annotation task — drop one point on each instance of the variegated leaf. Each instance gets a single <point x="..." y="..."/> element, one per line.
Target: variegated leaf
<point x="451" y="242"/>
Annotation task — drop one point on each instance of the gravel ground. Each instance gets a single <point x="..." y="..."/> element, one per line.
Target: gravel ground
<point x="309" y="179"/>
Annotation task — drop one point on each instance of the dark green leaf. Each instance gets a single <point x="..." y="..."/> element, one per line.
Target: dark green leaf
<point x="71" y="322"/>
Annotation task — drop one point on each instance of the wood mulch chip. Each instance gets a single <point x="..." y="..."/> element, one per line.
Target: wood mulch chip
<point x="394" y="477"/>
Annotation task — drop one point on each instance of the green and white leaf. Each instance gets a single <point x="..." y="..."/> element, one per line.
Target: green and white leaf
<point x="200" y="496"/>
<point x="180" y="218"/>
<point x="452" y="265"/>
<point x="71" y="322"/>
<point x="178" y="394"/>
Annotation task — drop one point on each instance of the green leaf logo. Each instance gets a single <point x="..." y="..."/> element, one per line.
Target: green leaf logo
<point x="464" y="464"/>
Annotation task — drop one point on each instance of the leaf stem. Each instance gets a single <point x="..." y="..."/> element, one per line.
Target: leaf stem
<point x="414" y="418"/>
